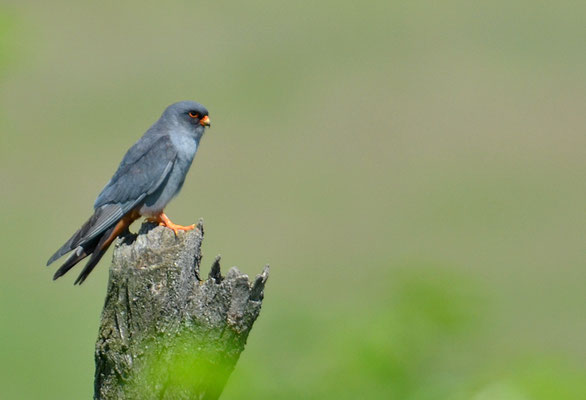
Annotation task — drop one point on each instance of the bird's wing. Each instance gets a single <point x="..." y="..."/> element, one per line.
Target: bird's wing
<point x="144" y="168"/>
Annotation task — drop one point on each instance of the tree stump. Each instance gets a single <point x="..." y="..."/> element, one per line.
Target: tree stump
<point x="165" y="333"/>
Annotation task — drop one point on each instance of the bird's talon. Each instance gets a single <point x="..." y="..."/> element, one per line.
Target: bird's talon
<point x="165" y="221"/>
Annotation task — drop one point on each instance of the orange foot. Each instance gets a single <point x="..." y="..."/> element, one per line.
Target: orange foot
<point x="163" y="220"/>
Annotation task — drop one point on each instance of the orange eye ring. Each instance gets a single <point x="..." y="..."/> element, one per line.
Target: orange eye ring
<point x="193" y="115"/>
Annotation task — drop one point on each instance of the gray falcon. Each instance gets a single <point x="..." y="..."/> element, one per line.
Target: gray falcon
<point x="151" y="173"/>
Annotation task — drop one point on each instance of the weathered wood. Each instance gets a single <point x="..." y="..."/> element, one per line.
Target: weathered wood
<point x="165" y="333"/>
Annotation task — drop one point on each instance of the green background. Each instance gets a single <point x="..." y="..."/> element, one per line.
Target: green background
<point x="413" y="172"/>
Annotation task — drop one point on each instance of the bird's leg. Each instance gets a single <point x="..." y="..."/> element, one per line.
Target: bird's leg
<point x="121" y="226"/>
<point x="163" y="220"/>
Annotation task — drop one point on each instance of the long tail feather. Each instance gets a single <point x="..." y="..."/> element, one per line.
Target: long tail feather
<point x="105" y="241"/>
<point x="99" y="251"/>
<point x="102" y="219"/>
<point x="96" y="245"/>
<point x="80" y="253"/>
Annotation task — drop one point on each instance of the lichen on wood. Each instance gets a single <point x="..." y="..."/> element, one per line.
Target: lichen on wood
<point x="166" y="333"/>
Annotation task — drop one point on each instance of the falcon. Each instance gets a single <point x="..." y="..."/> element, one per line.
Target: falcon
<point x="151" y="173"/>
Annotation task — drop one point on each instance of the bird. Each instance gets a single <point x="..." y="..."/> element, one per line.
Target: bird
<point x="150" y="174"/>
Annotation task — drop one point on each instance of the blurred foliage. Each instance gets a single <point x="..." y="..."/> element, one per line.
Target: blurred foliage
<point x="181" y="367"/>
<point x="412" y="346"/>
<point x="412" y="171"/>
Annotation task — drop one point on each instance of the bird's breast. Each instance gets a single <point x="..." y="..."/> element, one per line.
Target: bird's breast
<point x="186" y="147"/>
<point x="156" y="202"/>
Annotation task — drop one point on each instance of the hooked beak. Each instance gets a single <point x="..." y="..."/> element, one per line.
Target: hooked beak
<point x="205" y="121"/>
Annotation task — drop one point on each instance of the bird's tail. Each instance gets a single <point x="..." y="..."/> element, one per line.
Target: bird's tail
<point x="102" y="219"/>
<point x="79" y="254"/>
<point x="98" y="252"/>
<point x="96" y="247"/>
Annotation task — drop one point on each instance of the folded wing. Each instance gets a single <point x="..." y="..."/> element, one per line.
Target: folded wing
<point x="143" y="169"/>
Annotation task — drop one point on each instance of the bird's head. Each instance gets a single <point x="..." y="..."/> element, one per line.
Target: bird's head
<point x="188" y="114"/>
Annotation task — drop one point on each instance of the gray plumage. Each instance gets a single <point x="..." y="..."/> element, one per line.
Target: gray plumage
<point x="151" y="173"/>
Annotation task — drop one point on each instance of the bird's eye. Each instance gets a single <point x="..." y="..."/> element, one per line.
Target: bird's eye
<point x="193" y="114"/>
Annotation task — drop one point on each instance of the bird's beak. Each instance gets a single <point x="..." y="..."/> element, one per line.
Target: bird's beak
<point x="205" y="121"/>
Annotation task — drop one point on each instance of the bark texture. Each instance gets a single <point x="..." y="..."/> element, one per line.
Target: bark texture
<point x="165" y="333"/>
